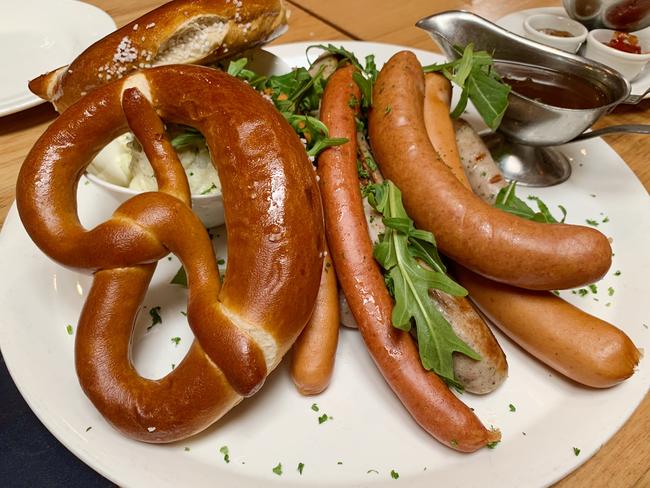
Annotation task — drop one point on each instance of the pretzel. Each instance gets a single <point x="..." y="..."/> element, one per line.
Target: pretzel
<point x="275" y="235"/>
<point x="180" y="32"/>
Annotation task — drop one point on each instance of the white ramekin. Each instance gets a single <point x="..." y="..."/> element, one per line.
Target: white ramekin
<point x="208" y="208"/>
<point x="533" y="23"/>
<point x="628" y="64"/>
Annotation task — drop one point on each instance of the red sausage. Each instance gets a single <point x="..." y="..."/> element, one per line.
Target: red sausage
<point x="424" y="394"/>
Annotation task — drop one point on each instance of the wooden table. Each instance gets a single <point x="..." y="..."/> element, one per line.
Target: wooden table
<point x="622" y="462"/>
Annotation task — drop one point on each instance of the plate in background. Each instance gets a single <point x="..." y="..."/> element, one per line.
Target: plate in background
<point x="37" y="36"/>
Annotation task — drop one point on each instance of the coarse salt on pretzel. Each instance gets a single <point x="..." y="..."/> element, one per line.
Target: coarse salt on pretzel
<point x="275" y="237"/>
<point x="179" y="32"/>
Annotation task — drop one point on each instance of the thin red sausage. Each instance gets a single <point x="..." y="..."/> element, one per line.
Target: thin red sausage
<point x="424" y="394"/>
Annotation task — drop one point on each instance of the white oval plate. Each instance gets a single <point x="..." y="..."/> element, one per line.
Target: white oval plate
<point x="514" y="22"/>
<point x="37" y="36"/>
<point x="370" y="433"/>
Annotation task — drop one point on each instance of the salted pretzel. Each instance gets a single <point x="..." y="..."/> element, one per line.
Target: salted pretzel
<point x="275" y="239"/>
<point x="179" y="32"/>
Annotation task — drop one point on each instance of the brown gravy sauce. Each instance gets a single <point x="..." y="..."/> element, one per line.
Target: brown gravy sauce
<point x="551" y="87"/>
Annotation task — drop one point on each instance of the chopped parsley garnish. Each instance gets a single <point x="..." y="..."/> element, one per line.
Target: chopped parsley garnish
<point x="453" y="443"/>
<point x="583" y="292"/>
<point x="592" y="222"/>
<point x="301" y="466"/>
<point x="324" y="418"/>
<point x="492" y="445"/>
<point x="394" y="474"/>
<point x="474" y="74"/>
<point x="556" y="293"/>
<point x="314" y="407"/>
<point x="88" y="428"/>
<point x="156" y="319"/>
<point x="388" y="110"/>
<point x="221" y="261"/>
<point x="576" y="451"/>
<point x="278" y="469"/>
<point x="507" y="201"/>
<point x="212" y="187"/>
<point x="401" y="250"/>
<point x="512" y="408"/>
<point x="605" y="220"/>
<point x="593" y="288"/>
<point x="339" y="462"/>
<point x="176" y="341"/>
<point x="69" y="329"/>
<point x="226" y="453"/>
<point x="183" y="313"/>
<point x="372" y="471"/>
<point x="187" y="449"/>
<point x="610" y="291"/>
<point x="617" y="273"/>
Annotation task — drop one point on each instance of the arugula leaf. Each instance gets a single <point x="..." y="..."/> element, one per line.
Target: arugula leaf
<point x="366" y="75"/>
<point x="314" y="132"/>
<point x="296" y="95"/>
<point x="235" y="67"/>
<point x="371" y="68"/>
<point x="400" y="251"/>
<point x="480" y="84"/>
<point x="180" y="278"/>
<point x="507" y="200"/>
<point x="365" y="85"/>
<point x="189" y="136"/>
<point x="488" y="96"/>
<point x="338" y="51"/>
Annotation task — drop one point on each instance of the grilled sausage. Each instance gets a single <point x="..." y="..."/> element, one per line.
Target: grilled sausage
<point x="491" y="242"/>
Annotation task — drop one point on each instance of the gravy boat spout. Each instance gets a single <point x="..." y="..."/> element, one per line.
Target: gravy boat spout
<point x="529" y="121"/>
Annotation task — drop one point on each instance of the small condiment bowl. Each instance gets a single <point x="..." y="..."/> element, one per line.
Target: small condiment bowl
<point x="208" y="208"/>
<point x="630" y="65"/>
<point x="534" y="26"/>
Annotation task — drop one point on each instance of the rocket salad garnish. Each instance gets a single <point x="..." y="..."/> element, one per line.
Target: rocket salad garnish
<point x="480" y="83"/>
<point x="413" y="267"/>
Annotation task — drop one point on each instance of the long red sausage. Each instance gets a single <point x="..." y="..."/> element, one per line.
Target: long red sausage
<point x="491" y="242"/>
<point x="424" y="394"/>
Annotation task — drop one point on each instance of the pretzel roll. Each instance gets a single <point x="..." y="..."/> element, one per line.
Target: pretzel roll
<point x="275" y="233"/>
<point x="179" y="32"/>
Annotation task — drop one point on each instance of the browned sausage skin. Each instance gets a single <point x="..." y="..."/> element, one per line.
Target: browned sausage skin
<point x="424" y="394"/>
<point x="492" y="243"/>
<point x="580" y="346"/>
<point x="312" y="362"/>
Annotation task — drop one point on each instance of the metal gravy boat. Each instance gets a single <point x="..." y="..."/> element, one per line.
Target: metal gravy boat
<point x="530" y="122"/>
